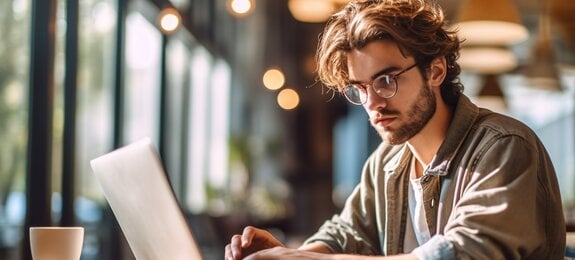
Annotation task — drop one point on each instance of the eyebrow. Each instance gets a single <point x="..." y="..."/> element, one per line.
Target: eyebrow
<point x="386" y="71"/>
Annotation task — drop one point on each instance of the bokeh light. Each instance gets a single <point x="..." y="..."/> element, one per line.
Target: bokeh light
<point x="169" y="20"/>
<point x="288" y="99"/>
<point x="240" y="7"/>
<point x="273" y="79"/>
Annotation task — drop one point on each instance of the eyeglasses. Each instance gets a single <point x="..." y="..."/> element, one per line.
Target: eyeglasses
<point x="384" y="85"/>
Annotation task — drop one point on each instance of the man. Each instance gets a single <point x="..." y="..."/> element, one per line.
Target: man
<point x="450" y="180"/>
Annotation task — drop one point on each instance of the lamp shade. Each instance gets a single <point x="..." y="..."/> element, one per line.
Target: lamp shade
<point x="563" y="16"/>
<point x="311" y="11"/>
<point x="487" y="60"/>
<point x="491" y="95"/>
<point x="491" y="86"/>
<point x="541" y="72"/>
<point x="490" y="22"/>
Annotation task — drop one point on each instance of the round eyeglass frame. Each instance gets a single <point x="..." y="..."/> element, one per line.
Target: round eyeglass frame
<point x="355" y="91"/>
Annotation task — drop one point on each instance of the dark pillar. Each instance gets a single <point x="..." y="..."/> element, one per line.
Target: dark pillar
<point x="69" y="137"/>
<point x="38" y="174"/>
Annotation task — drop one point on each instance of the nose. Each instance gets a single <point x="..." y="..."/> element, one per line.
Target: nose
<point x="374" y="101"/>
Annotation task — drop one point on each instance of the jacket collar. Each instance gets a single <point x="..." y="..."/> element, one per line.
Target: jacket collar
<point x="465" y="115"/>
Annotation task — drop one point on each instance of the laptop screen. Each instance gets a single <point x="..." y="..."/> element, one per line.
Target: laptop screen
<point x="136" y="187"/>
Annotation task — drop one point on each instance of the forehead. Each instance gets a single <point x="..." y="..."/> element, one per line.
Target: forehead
<point x="376" y="56"/>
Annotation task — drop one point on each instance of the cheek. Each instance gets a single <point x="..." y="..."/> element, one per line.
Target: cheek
<point x="404" y="100"/>
<point x="409" y="90"/>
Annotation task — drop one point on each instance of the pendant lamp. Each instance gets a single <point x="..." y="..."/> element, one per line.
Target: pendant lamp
<point x="490" y="95"/>
<point x="541" y="71"/>
<point x="314" y="11"/>
<point x="490" y="22"/>
<point x="311" y="11"/>
<point x="487" y="59"/>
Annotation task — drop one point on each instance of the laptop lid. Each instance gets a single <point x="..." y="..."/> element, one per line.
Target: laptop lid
<point x="138" y="191"/>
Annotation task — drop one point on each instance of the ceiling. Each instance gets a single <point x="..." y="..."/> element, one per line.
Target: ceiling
<point x="291" y="44"/>
<point x="562" y="28"/>
<point x="562" y="24"/>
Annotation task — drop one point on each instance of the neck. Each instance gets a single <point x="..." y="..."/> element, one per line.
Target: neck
<point x="425" y="144"/>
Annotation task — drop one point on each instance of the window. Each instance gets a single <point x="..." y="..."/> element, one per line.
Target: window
<point x="94" y="116"/>
<point x="142" y="85"/>
<point x="178" y="61"/>
<point x="199" y="131"/>
<point x="209" y="99"/>
<point x="14" y="71"/>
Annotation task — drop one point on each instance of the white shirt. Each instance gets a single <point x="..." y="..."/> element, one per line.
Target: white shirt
<point x="417" y="230"/>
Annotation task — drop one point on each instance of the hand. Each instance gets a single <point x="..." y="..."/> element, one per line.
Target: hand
<point x="286" y="254"/>
<point x="282" y="253"/>
<point x="251" y="240"/>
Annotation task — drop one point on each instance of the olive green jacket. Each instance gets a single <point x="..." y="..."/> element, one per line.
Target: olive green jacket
<point x="489" y="193"/>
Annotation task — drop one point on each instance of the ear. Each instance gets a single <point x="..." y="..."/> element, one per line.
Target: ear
<point x="437" y="71"/>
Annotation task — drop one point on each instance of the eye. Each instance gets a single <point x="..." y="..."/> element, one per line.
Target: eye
<point x="383" y="82"/>
<point x="356" y="87"/>
<point x="351" y="90"/>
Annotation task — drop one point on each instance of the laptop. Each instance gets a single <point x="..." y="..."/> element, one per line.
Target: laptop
<point x="136" y="187"/>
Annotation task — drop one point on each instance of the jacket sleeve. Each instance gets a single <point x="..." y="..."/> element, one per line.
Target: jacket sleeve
<point x="502" y="208"/>
<point x="353" y="230"/>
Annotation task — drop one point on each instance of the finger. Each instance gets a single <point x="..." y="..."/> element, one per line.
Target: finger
<point x="228" y="253"/>
<point x="235" y="247"/>
<point x="248" y="235"/>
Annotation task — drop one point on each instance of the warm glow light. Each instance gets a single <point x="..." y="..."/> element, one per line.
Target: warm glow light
<point x="491" y="32"/>
<point x="487" y="60"/>
<point x="311" y="11"/>
<point x="169" y="20"/>
<point x="288" y="99"/>
<point x="273" y="79"/>
<point x="490" y="22"/>
<point x="240" y="7"/>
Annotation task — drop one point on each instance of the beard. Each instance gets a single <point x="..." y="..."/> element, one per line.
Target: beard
<point x="417" y="117"/>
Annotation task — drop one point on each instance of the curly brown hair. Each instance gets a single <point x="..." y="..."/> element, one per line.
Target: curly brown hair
<point x="416" y="26"/>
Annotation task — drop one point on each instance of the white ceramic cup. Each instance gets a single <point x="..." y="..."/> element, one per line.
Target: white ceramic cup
<point x="56" y="243"/>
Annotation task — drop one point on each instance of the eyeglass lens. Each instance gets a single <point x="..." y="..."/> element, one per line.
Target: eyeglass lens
<point x="383" y="85"/>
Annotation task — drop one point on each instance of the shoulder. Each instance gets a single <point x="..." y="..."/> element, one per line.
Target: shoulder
<point x="499" y="126"/>
<point x="500" y="138"/>
<point x="469" y="118"/>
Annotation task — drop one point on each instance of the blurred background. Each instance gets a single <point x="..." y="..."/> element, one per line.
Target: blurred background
<point x="227" y="90"/>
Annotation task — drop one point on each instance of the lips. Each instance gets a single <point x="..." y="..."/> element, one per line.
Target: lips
<point x="383" y="121"/>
